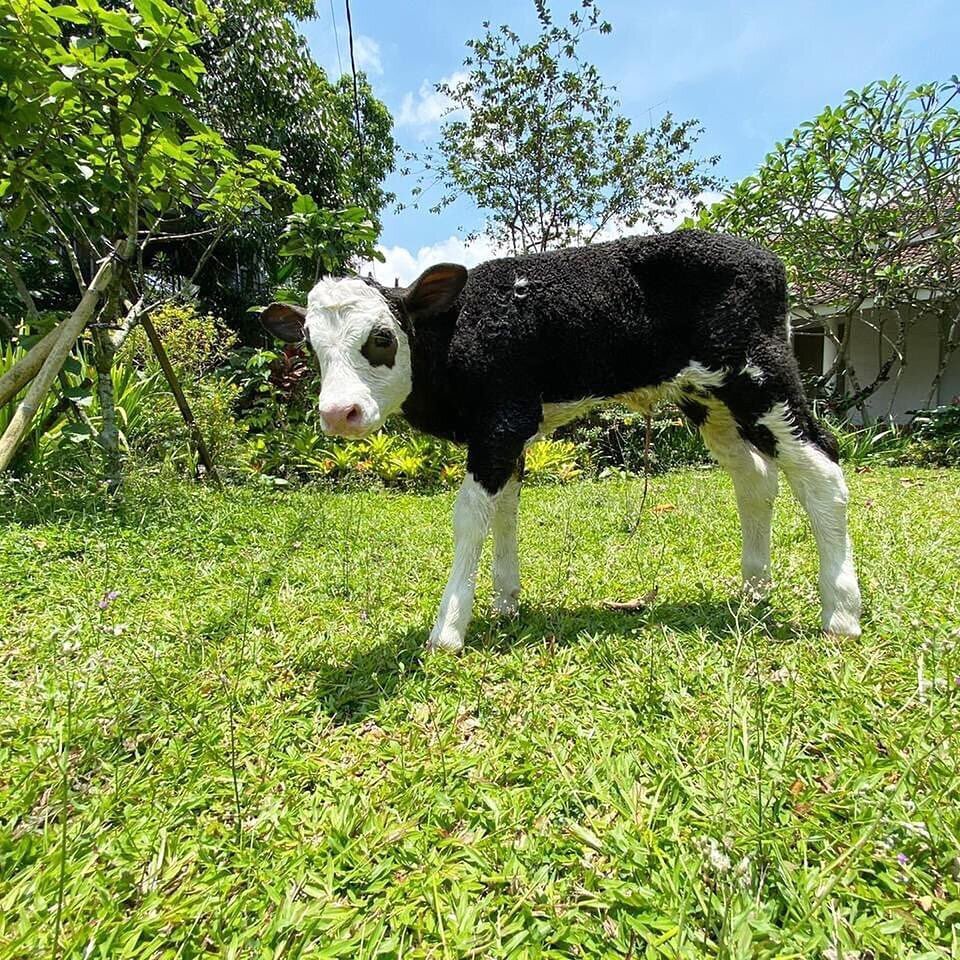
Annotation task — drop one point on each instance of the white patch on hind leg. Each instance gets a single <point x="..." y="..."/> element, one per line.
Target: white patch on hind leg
<point x="506" y="560"/>
<point x="818" y="484"/>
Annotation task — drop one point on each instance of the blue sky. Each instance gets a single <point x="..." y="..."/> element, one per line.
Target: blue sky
<point x="751" y="72"/>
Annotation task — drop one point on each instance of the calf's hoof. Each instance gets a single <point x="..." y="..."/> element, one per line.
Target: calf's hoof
<point x="445" y="639"/>
<point x="757" y="588"/>
<point x="507" y="604"/>
<point x="841" y="623"/>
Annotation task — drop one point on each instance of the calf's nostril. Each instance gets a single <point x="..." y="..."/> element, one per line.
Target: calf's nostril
<point x="353" y="415"/>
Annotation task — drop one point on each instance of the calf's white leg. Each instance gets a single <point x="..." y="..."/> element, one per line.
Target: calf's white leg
<point x="472" y="513"/>
<point x="755" y="482"/>
<point x="506" y="560"/>
<point x="817" y="482"/>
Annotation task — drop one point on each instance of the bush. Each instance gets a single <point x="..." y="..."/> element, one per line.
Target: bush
<point x="936" y="436"/>
<point x="614" y="440"/>
<point x="553" y="461"/>
<point x="196" y="344"/>
<point x="877" y="443"/>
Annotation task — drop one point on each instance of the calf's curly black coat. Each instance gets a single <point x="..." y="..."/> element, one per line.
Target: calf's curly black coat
<point x="599" y="322"/>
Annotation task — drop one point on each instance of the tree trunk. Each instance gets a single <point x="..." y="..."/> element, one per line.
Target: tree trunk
<point x="949" y="342"/>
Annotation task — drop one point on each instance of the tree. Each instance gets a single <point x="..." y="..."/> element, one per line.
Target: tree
<point x="104" y="155"/>
<point x="863" y="205"/>
<point x="262" y="85"/>
<point x="533" y="137"/>
<point x="317" y="242"/>
<point x="256" y="83"/>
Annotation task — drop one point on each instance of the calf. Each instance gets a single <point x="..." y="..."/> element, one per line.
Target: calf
<point x="507" y="352"/>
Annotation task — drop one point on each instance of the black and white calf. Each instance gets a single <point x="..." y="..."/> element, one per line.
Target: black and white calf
<point x="510" y="350"/>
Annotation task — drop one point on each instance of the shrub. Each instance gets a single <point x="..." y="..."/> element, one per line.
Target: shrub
<point x="158" y="434"/>
<point x="553" y="461"/>
<point x="936" y="436"/>
<point x="615" y="440"/>
<point x="876" y="443"/>
<point x="196" y="344"/>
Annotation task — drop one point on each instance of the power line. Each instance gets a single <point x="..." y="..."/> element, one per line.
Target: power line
<point x="356" y="94"/>
<point x="336" y="37"/>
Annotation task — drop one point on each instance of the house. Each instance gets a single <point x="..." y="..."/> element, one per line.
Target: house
<point x="921" y="371"/>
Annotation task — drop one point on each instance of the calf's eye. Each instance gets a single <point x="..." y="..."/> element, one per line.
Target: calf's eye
<point x="380" y="348"/>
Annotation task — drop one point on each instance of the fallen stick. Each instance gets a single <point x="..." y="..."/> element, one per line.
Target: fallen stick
<point x="69" y="331"/>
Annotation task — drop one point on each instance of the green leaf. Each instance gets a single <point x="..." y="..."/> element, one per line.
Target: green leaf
<point x="163" y="103"/>
<point x="19" y="213"/>
<point x="69" y="14"/>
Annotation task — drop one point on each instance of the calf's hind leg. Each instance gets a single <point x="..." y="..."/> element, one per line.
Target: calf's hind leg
<point x="817" y="482"/>
<point x="506" y="560"/>
<point x="754" y="481"/>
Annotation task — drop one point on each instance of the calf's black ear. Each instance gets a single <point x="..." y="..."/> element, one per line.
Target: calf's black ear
<point x="285" y="321"/>
<point x="435" y="289"/>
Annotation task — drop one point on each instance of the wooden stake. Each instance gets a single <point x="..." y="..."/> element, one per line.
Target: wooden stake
<point x="68" y="331"/>
<point x="197" y="436"/>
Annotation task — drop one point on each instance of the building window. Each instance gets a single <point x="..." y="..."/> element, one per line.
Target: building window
<point x="808" y="349"/>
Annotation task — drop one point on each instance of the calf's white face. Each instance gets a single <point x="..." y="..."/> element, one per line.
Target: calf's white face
<point x="364" y="356"/>
<point x="362" y="344"/>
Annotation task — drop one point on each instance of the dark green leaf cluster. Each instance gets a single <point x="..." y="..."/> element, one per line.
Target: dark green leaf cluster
<point x="863" y="201"/>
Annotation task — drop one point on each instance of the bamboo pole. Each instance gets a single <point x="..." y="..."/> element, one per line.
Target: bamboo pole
<point x="69" y="331"/>
<point x="195" y="433"/>
<point x="27" y="367"/>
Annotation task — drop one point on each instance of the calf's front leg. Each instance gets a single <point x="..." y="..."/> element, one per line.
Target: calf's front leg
<point x="472" y="513"/>
<point x="492" y="460"/>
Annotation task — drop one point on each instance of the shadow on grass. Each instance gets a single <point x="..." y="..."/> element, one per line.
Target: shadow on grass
<point x="350" y="690"/>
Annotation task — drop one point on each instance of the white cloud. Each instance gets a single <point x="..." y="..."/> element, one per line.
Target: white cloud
<point x="427" y="107"/>
<point x="366" y="52"/>
<point x="667" y="221"/>
<point x="403" y="265"/>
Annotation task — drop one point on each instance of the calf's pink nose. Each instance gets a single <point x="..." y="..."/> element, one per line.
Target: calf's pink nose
<point x="341" y="417"/>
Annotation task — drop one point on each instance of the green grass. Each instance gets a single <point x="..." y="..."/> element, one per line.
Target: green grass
<point x="245" y="754"/>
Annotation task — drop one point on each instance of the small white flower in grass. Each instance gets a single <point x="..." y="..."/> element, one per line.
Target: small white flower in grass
<point x="715" y="855"/>
<point x="108" y="598"/>
<point x="71" y="647"/>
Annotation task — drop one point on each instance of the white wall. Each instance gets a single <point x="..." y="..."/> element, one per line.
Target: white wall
<point x="911" y="388"/>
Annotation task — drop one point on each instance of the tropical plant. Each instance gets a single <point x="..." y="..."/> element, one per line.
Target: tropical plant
<point x="102" y="140"/>
<point x="318" y="242"/>
<point x="553" y="460"/>
<point x="936" y="435"/>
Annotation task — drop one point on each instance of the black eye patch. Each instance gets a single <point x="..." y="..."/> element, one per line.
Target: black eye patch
<point x="380" y="348"/>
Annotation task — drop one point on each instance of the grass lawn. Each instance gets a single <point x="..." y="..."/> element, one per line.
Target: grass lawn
<point x="244" y="752"/>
